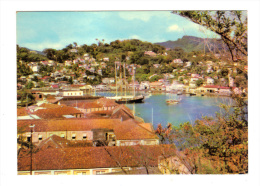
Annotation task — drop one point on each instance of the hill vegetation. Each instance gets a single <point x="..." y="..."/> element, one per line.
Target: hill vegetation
<point x="191" y="43"/>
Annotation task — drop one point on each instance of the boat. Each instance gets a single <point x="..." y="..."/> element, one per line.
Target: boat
<point x="127" y="99"/>
<point x="172" y="101"/>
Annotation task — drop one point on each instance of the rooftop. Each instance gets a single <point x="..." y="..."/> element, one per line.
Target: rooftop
<point x="126" y="130"/>
<point x="94" y="157"/>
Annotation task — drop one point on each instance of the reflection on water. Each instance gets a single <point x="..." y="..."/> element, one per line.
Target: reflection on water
<point x="189" y="109"/>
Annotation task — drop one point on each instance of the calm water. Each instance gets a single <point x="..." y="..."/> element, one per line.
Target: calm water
<point x="189" y="109"/>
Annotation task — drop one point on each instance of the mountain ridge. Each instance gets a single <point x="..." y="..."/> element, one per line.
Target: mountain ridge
<point x="192" y="43"/>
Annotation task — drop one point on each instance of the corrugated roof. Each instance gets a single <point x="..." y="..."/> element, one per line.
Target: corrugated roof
<point x="94" y="157"/>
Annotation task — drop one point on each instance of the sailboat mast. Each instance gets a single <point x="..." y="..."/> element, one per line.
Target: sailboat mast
<point x="125" y="79"/>
<point x="134" y="80"/>
<point x="120" y="78"/>
<point x="115" y="79"/>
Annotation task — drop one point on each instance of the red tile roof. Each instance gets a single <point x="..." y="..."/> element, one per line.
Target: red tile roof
<point x="127" y="130"/>
<point x="22" y="112"/>
<point x="100" y="103"/>
<point x="53" y="141"/>
<point x="94" y="157"/>
<point x="56" y="111"/>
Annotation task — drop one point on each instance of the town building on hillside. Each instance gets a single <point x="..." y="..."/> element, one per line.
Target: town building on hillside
<point x="188" y="64"/>
<point x="214" y="89"/>
<point x="210" y="81"/>
<point x="178" y="61"/>
<point x="108" y="80"/>
<point x="231" y="81"/>
<point x="35" y="68"/>
<point x="106" y="59"/>
<point x="144" y="85"/>
<point x="156" y="86"/>
<point x="156" y="65"/>
<point x="150" y="53"/>
<point x="73" y="50"/>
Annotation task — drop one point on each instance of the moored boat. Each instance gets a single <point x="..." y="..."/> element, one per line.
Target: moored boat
<point x="172" y="101"/>
<point x="125" y="100"/>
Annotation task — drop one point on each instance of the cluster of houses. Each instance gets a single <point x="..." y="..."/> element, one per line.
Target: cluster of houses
<point x="91" y="137"/>
<point x="179" y="80"/>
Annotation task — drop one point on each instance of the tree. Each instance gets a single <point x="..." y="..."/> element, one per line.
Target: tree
<point x="199" y="82"/>
<point x="70" y="80"/>
<point x="221" y="142"/>
<point x="231" y="26"/>
<point x="25" y="97"/>
<point x="50" y="53"/>
<point x="29" y="85"/>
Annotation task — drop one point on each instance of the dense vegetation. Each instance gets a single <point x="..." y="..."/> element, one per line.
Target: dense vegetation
<point x="218" y="145"/>
<point x="191" y="43"/>
<point x="214" y="145"/>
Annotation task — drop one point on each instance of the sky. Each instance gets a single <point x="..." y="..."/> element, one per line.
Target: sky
<point x="40" y="30"/>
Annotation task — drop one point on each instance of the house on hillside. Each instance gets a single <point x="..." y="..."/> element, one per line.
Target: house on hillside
<point x="144" y="85"/>
<point x="106" y="59"/>
<point x="156" y="85"/>
<point x="150" y="53"/>
<point x="178" y="61"/>
<point x="210" y="81"/>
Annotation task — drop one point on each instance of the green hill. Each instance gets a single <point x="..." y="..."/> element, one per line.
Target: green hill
<point x="191" y="43"/>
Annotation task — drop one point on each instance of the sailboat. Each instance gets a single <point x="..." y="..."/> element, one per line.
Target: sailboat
<point x="172" y="101"/>
<point x="130" y="98"/>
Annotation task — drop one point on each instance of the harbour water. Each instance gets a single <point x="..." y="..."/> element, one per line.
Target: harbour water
<point x="155" y="110"/>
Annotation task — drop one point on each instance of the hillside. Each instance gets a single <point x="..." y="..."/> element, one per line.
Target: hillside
<point x="191" y="43"/>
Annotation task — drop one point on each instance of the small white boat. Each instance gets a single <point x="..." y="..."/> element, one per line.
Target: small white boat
<point x="172" y="101"/>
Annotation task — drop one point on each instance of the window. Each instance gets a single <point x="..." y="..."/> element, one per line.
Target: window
<point x="40" y="137"/>
<point x="73" y="137"/>
<point x="100" y="172"/>
<point x="29" y="139"/>
<point x="84" y="136"/>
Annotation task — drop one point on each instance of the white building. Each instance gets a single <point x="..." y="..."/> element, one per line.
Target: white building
<point x="144" y="85"/>
<point x="210" y="81"/>
<point x="71" y="93"/>
<point x="231" y="81"/>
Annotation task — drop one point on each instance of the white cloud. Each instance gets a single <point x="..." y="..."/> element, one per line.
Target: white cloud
<point x="42" y="46"/>
<point x="135" y="37"/>
<point x="142" y="15"/>
<point x="174" y="28"/>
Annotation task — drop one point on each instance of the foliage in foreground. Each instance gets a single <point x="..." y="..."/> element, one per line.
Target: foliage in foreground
<point x="215" y="145"/>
